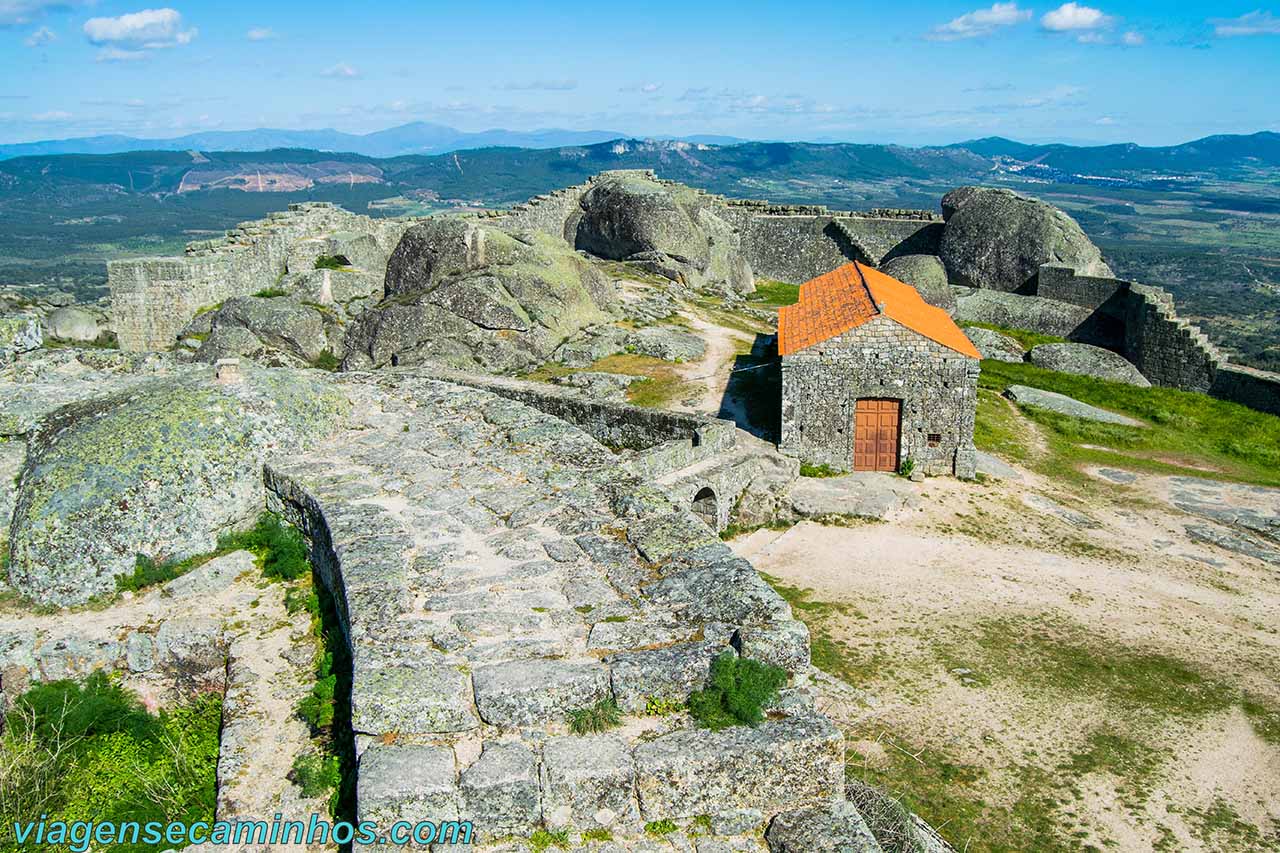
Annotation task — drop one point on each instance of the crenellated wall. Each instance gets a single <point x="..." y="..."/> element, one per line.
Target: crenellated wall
<point x="153" y="298"/>
<point x="1166" y="348"/>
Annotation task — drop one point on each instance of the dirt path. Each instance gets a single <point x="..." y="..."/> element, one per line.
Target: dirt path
<point x="711" y="373"/>
<point x="1062" y="685"/>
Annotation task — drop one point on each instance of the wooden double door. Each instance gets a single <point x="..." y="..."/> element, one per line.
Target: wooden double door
<point x="876" y="429"/>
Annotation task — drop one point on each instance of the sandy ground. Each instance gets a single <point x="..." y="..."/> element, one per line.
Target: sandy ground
<point x="975" y="553"/>
<point x="711" y="373"/>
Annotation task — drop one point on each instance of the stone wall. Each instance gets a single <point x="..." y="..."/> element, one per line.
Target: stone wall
<point x="795" y="247"/>
<point x="665" y="441"/>
<point x="1257" y="389"/>
<point x="1142" y="323"/>
<point x="1167" y="350"/>
<point x="153" y="298"/>
<point x="937" y="386"/>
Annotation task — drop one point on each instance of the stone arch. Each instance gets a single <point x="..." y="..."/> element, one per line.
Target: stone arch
<point x="706" y="507"/>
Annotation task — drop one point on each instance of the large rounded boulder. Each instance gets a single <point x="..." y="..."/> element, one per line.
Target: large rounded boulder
<point x="926" y="274"/>
<point x="277" y="331"/>
<point x="1087" y="360"/>
<point x="998" y="239"/>
<point x="161" y="470"/>
<point x="476" y="297"/>
<point x="669" y="229"/>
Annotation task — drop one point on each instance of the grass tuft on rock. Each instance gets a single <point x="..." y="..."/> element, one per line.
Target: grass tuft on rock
<point x="600" y="717"/>
<point x="281" y="550"/>
<point x="737" y="691"/>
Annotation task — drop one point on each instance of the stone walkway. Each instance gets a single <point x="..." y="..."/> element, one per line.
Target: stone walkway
<point x="497" y="571"/>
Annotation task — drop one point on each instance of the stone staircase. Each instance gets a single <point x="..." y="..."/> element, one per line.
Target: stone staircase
<point x="496" y="570"/>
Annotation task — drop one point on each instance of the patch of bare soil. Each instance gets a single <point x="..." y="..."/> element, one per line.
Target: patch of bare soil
<point x="1061" y="674"/>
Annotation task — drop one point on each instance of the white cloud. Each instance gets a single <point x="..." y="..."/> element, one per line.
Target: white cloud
<point x="260" y="34"/>
<point x="543" y="85"/>
<point x="1056" y="95"/>
<point x="1072" y="17"/>
<point x="51" y="115"/>
<point x="1256" y="23"/>
<point x="40" y="37"/>
<point x="16" y="13"/>
<point x="1105" y="121"/>
<point x="131" y="37"/>
<point x="341" y="71"/>
<point x="1133" y="39"/>
<point x="981" y="22"/>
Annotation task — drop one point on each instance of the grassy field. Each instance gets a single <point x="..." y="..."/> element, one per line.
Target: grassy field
<point x="1187" y="433"/>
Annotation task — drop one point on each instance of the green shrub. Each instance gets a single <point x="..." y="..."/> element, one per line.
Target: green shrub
<point x="602" y="716"/>
<point x="281" y="550"/>
<point x="658" y="707"/>
<point x="91" y="751"/>
<point x="271" y="293"/>
<point x="147" y="572"/>
<point x="824" y="470"/>
<point x="326" y="360"/>
<point x="737" y="690"/>
<point x="331" y="262"/>
<point x="906" y="466"/>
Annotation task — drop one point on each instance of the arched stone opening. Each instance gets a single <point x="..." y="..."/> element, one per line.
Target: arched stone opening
<point x="705" y="507"/>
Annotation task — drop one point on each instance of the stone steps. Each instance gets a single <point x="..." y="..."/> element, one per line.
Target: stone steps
<point x="491" y="589"/>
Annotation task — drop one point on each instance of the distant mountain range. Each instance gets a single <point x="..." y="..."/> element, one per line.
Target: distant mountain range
<point x="1209" y="154"/>
<point x="415" y="138"/>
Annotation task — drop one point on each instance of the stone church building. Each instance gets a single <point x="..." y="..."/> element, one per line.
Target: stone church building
<point x="872" y="375"/>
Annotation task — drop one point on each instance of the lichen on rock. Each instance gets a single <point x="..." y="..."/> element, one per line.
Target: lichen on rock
<point x="160" y="469"/>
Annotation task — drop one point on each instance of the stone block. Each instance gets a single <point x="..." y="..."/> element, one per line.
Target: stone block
<point x="587" y="782"/>
<point x="782" y="764"/>
<point x="501" y="794"/>
<point x="784" y="643"/>
<point x="670" y="673"/>
<point x="833" y="828"/>
<point x="536" y="692"/>
<point x="416" y="699"/>
<point x="407" y="782"/>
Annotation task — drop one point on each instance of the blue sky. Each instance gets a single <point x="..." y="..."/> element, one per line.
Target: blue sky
<point x="907" y="72"/>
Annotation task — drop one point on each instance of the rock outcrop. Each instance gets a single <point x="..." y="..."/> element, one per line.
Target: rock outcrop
<point x="669" y="229"/>
<point x="72" y="324"/>
<point x="19" y="333"/>
<point x="1064" y="405"/>
<point x="996" y="238"/>
<point x="1086" y="360"/>
<point x="1014" y="311"/>
<point x="275" y="332"/>
<point x="474" y="296"/>
<point x="926" y="274"/>
<point x="161" y="470"/>
<point x="996" y="345"/>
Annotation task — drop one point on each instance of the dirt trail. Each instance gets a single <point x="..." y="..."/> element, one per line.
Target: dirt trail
<point x="711" y="373"/>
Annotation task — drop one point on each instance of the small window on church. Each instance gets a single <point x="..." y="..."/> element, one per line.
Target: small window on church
<point x="935" y="439"/>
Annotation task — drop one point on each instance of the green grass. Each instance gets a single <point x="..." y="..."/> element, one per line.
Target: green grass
<point x="824" y="470"/>
<point x="280" y="549"/>
<point x="91" y="751"/>
<point x="1186" y="429"/>
<point x="1028" y="339"/>
<point x="271" y="293"/>
<point x="774" y="294"/>
<point x="660" y="386"/>
<point x="737" y="691"/>
<point x="598" y="834"/>
<point x="326" y="360"/>
<point x="542" y="840"/>
<point x="330" y="262"/>
<point x="600" y="717"/>
<point x="659" y="828"/>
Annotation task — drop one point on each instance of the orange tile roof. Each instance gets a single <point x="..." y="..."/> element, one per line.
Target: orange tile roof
<point x="849" y="296"/>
